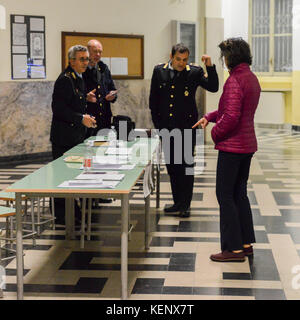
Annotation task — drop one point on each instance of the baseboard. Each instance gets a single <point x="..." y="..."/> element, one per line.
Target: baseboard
<point x="25" y="158"/>
<point x="284" y="126"/>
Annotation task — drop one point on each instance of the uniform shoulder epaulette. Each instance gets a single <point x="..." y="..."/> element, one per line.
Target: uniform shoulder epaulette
<point x="195" y="65"/>
<point x="67" y="74"/>
<point x="163" y="64"/>
<point x="70" y="75"/>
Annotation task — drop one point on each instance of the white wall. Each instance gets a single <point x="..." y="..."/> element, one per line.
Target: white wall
<point x="151" y="18"/>
<point x="270" y="101"/>
<point x="236" y="16"/>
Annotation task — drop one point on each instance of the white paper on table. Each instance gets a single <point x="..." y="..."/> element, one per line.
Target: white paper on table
<point x="103" y="185"/>
<point x="36" y="24"/>
<point x="19" y="49"/>
<point x="118" y="151"/>
<point x="99" y="166"/>
<point x="119" y="66"/>
<point x="110" y="160"/>
<point x="19" y="34"/>
<point x="19" y="66"/>
<point x="104" y="176"/>
<point x="101" y="138"/>
<point x="37" y="72"/>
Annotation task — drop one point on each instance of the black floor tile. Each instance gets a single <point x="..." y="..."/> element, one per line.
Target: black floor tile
<point x="177" y="290"/>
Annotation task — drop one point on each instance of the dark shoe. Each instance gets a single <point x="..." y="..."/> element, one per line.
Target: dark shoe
<point x="185" y="213"/>
<point x="173" y="208"/>
<point x="60" y="220"/>
<point x="248" y="251"/>
<point x="228" y="256"/>
<point x="104" y="200"/>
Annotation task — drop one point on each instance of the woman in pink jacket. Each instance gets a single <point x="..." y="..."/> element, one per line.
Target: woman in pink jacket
<point x="234" y="137"/>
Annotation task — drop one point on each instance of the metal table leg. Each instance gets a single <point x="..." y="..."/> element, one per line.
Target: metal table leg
<point x="147" y="221"/>
<point x="19" y="252"/>
<point x="124" y="246"/>
<point x="157" y="186"/>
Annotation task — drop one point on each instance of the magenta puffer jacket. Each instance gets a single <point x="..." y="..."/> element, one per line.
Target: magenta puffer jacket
<point x="234" y="128"/>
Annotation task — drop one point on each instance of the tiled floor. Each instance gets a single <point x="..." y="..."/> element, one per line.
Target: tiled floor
<point x="177" y="266"/>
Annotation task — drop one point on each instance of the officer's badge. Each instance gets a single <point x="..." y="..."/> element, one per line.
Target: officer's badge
<point x="186" y="93"/>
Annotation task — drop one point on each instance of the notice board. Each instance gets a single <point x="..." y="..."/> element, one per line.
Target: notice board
<point x="124" y="54"/>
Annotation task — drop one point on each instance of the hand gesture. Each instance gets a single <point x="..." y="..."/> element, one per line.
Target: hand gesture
<point x="111" y="96"/>
<point x="203" y="122"/>
<point x="89" y="121"/>
<point x="207" y="60"/>
<point x="91" y="97"/>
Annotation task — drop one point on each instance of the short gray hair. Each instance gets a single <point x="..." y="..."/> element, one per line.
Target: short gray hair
<point x="77" y="48"/>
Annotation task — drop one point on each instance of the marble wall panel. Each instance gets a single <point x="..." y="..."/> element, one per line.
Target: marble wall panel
<point x="26" y="114"/>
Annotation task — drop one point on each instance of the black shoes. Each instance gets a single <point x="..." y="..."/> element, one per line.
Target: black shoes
<point x="176" y="208"/>
<point x="173" y="208"/>
<point x="104" y="200"/>
<point x="185" y="213"/>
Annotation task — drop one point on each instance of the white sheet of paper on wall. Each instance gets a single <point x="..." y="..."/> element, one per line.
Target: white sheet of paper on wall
<point x="19" y="19"/>
<point x="19" y="49"/>
<point x="37" y="72"/>
<point x="119" y="66"/>
<point x="36" y="24"/>
<point x="19" y="35"/>
<point x="19" y="66"/>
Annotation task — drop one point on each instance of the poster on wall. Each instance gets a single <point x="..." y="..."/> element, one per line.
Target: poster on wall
<point x="28" y="52"/>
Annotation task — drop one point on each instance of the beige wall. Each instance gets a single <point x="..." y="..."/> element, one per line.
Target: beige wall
<point x="151" y="18"/>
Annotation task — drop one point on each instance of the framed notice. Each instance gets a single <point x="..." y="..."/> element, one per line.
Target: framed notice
<point x="28" y="52"/>
<point x="123" y="53"/>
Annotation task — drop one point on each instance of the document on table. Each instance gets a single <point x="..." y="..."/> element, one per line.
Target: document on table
<point x="116" y="159"/>
<point x="101" y="138"/>
<point x="119" y="151"/>
<point x="107" y="166"/>
<point x="95" y="183"/>
<point x="111" y="176"/>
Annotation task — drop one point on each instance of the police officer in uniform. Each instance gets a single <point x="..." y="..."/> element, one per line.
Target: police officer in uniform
<point x="173" y="106"/>
<point x="70" y="119"/>
<point x="101" y="87"/>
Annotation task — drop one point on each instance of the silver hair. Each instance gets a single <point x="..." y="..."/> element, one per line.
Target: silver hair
<point x="77" y="48"/>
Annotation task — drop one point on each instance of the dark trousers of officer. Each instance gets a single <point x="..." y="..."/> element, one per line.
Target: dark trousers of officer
<point x="236" y="223"/>
<point x="180" y="166"/>
<point x="59" y="203"/>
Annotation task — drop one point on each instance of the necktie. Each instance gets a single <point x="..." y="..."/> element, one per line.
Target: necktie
<point x="173" y="73"/>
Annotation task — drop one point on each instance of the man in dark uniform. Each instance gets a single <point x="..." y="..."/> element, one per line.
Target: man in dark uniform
<point x="173" y="106"/>
<point x="70" y="119"/>
<point x="101" y="90"/>
<point x="101" y="87"/>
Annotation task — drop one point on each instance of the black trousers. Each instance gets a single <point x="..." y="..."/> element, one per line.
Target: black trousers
<point x="236" y="224"/>
<point x="179" y="157"/>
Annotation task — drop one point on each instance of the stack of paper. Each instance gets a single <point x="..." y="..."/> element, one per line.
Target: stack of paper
<point x="89" y="184"/>
<point x="104" y="176"/>
<point x="122" y="159"/>
<point x="119" y="151"/>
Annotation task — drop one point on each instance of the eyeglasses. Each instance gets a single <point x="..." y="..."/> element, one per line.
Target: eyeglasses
<point x="82" y="59"/>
